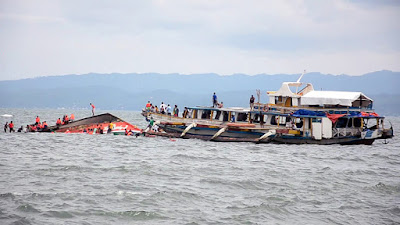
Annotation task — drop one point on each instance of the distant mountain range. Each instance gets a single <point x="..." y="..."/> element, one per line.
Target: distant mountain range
<point x="132" y="91"/>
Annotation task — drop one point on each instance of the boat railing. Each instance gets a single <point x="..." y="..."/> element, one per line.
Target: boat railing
<point x="346" y="131"/>
<point x="289" y="109"/>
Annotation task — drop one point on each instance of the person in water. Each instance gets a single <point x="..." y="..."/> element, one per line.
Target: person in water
<point x="214" y="100"/>
<point x="20" y="129"/>
<point x="11" y="126"/>
<point x="93" y="108"/>
<point x="5" y="127"/>
<point x="58" y="123"/>
<point x="110" y="127"/>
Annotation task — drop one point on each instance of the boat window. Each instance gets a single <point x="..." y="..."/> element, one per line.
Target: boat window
<point x="233" y="117"/>
<point x="278" y="100"/>
<point x="299" y="122"/>
<point x="274" y="120"/>
<point x="217" y="115"/>
<point x="241" y="117"/>
<point x="264" y="118"/>
<point x="341" y="123"/>
<point x="256" y="118"/>
<point x="206" y="114"/>
<point x="357" y="122"/>
<point x="372" y="123"/>
<point x="225" y="116"/>
<point x="282" y="120"/>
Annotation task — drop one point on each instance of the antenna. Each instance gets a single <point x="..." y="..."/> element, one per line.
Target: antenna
<point x="298" y="80"/>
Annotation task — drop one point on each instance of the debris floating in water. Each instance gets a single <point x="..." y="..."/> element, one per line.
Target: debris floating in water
<point x="7" y="115"/>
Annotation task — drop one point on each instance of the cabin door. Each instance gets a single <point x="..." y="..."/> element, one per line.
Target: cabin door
<point x="288" y="102"/>
<point x="316" y="128"/>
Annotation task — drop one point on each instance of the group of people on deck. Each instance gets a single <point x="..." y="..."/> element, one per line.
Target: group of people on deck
<point x="163" y="109"/>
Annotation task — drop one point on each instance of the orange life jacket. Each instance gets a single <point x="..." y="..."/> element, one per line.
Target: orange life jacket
<point x="72" y="116"/>
<point x="11" y="125"/>
<point x="66" y="118"/>
<point x="58" y="121"/>
<point x="147" y="105"/>
<point x="37" y="120"/>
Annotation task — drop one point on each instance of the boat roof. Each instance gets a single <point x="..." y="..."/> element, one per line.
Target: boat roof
<point x="230" y="109"/>
<point x="285" y="91"/>
<point x="343" y="98"/>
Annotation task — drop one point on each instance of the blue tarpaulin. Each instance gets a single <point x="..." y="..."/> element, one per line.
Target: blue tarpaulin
<point x="304" y="112"/>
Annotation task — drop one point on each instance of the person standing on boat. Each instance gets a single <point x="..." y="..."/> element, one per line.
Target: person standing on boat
<point x="37" y="120"/>
<point x="185" y="113"/>
<point x="215" y="100"/>
<point x="176" y="111"/>
<point x="72" y="118"/>
<point x="93" y="108"/>
<point x="252" y="102"/>
<point x="169" y="110"/>
<point x="5" y="127"/>
<point x="162" y="108"/>
<point x="148" y="105"/>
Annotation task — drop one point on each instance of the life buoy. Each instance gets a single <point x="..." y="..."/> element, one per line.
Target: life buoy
<point x="266" y="108"/>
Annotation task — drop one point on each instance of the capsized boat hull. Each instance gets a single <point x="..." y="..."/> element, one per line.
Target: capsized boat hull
<point x="91" y="124"/>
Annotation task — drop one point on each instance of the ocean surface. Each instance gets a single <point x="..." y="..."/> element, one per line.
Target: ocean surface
<point x="48" y="178"/>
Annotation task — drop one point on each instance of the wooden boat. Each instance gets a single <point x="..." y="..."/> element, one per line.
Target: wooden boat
<point x="291" y="117"/>
<point x="96" y="124"/>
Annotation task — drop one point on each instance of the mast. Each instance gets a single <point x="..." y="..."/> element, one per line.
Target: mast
<point x="298" y="80"/>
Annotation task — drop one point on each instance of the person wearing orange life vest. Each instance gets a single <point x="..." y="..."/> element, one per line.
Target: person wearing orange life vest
<point x="37" y="120"/>
<point x="66" y="119"/>
<point x="11" y="126"/>
<point x="44" y="125"/>
<point x="58" y="123"/>
<point x="72" y="118"/>
<point x="93" y="107"/>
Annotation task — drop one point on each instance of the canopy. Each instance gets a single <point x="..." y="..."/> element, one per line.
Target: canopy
<point x="342" y="98"/>
<point x="304" y="112"/>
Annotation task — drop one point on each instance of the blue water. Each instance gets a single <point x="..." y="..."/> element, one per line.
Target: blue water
<point x="104" y="179"/>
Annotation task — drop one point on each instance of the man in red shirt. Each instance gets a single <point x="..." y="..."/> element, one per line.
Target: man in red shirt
<point x="11" y="126"/>
<point x="93" y="107"/>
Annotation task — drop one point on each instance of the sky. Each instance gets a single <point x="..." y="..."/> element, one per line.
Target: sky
<point x="43" y="38"/>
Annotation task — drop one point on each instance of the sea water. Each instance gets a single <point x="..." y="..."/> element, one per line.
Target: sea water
<point x="50" y="178"/>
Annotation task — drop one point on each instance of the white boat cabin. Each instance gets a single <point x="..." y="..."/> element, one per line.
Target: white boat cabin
<point x="296" y="94"/>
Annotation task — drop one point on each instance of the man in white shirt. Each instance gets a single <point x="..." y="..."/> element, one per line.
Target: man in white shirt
<point x="163" y="108"/>
<point x="169" y="110"/>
